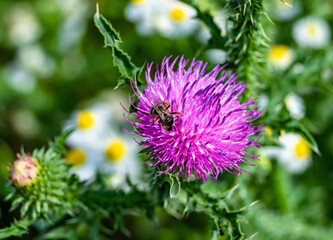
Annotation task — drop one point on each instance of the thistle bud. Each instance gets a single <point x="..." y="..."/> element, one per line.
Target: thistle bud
<point x="41" y="185"/>
<point x="24" y="171"/>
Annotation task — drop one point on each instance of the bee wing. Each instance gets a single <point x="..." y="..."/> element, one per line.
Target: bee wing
<point x="157" y="100"/>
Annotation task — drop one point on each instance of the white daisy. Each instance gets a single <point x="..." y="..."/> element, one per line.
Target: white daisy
<point x="311" y="32"/>
<point x="298" y="68"/>
<point x="287" y="10"/>
<point x="263" y="100"/>
<point x="216" y="56"/>
<point x="18" y="78"/>
<point x="280" y="56"/>
<point x="137" y="9"/>
<point x="121" y="161"/>
<point x="74" y="8"/>
<point x="327" y="74"/>
<point x="294" y="153"/>
<point x="203" y="33"/>
<point x="35" y="59"/>
<point x="90" y="124"/>
<point x="70" y="33"/>
<point x="84" y="162"/>
<point x="71" y="30"/>
<point x="24" y="27"/>
<point x="295" y="105"/>
<point x="220" y="19"/>
<point x="144" y="13"/>
<point x="176" y="20"/>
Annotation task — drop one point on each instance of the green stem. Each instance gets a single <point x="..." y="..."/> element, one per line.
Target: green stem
<point x="281" y="182"/>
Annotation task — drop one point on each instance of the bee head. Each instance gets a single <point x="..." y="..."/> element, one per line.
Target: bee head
<point x="168" y="119"/>
<point x="153" y="111"/>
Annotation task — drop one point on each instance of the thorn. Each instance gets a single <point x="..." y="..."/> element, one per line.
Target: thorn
<point x="291" y="6"/>
<point x="269" y="19"/>
<point x="255" y="202"/>
<point x="253" y="235"/>
<point x="97" y="9"/>
<point x="238" y="36"/>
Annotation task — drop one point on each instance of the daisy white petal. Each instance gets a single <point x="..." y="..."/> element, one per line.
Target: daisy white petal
<point x="295" y="153"/>
<point x="24" y="26"/>
<point x="120" y="160"/>
<point x="84" y="162"/>
<point x="177" y="20"/>
<point x="295" y="105"/>
<point x="89" y="124"/>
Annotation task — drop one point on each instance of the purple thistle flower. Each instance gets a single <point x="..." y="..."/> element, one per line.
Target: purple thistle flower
<point x="194" y="123"/>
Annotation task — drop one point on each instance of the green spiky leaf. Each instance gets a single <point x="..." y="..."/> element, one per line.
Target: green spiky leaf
<point x="58" y="144"/>
<point x="121" y="59"/>
<point x="17" y="229"/>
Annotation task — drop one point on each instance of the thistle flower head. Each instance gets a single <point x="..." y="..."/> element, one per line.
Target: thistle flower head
<point x="24" y="171"/>
<point x="209" y="127"/>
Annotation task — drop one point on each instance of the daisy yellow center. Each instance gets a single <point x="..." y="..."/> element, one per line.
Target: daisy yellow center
<point x="268" y="130"/>
<point x="75" y="157"/>
<point x="277" y="52"/>
<point x="312" y="30"/>
<point x="137" y="1"/>
<point x="223" y="32"/>
<point x="85" y="119"/>
<point x="302" y="149"/>
<point x="177" y="14"/>
<point x="115" y="151"/>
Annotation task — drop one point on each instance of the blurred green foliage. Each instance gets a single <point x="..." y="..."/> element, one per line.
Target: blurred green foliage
<point x="290" y="206"/>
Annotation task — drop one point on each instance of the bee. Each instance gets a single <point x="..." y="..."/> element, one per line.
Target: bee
<point x="162" y="114"/>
